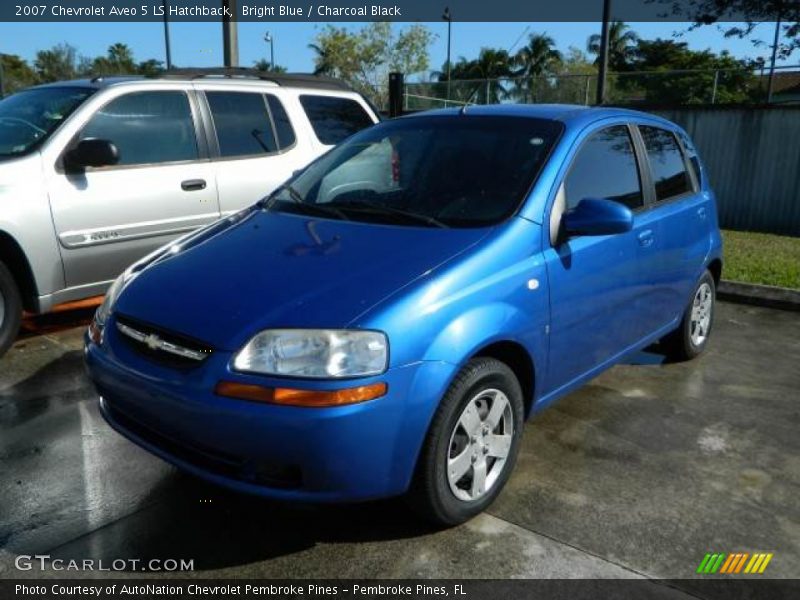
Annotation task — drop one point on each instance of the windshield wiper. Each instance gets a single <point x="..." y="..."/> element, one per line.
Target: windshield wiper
<point x="298" y="199"/>
<point x="390" y="210"/>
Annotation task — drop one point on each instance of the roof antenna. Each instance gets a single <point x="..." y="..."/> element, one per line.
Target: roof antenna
<point x="463" y="110"/>
<point x="96" y="79"/>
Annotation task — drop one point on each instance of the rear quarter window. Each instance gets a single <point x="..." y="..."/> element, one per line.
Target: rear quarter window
<point x="334" y="119"/>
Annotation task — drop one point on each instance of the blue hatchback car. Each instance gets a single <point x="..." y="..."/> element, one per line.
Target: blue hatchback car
<point x="386" y="321"/>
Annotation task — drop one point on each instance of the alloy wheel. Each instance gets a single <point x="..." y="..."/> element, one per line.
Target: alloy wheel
<point x="479" y="445"/>
<point x="702" y="306"/>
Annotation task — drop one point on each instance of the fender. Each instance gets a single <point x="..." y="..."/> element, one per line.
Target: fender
<point x="25" y="217"/>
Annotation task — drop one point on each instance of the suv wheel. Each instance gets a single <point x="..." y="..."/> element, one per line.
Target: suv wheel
<point x="472" y="444"/>
<point x="10" y="309"/>
<point x="691" y="337"/>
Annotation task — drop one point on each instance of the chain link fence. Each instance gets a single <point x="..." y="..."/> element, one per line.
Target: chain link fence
<point x="669" y="87"/>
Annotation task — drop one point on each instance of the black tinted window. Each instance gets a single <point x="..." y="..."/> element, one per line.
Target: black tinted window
<point x="146" y="127"/>
<point x="691" y="154"/>
<point x="242" y="123"/>
<point x="283" y="127"/>
<point x="334" y="119"/>
<point x="426" y="171"/>
<point x="666" y="163"/>
<point x="28" y="118"/>
<point x="605" y="168"/>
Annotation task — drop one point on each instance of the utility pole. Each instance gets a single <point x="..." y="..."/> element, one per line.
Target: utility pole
<point x="449" y="18"/>
<point x="771" y="83"/>
<point x="230" y="35"/>
<point x="2" y="78"/>
<point x="601" y="76"/>
<point x="166" y="33"/>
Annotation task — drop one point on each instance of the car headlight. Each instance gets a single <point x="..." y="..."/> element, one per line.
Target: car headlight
<point x="101" y="315"/>
<point x="315" y="353"/>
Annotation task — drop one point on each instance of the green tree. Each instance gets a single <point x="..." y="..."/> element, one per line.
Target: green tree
<point x="621" y="41"/>
<point x="749" y="14"/>
<point x="484" y="80"/>
<point x="117" y="61"/>
<point x="57" y="64"/>
<point x="537" y="59"/>
<point x="264" y="65"/>
<point x="150" y="67"/>
<point x="364" y="58"/>
<point x="663" y="83"/>
<point x="17" y="74"/>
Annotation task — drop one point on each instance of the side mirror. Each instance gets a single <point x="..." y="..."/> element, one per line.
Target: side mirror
<point x="92" y="152"/>
<point x="598" y="216"/>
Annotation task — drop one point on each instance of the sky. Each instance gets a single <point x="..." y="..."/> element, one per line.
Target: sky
<point x="200" y="44"/>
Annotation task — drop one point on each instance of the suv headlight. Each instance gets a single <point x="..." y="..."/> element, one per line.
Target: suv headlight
<point x="315" y="353"/>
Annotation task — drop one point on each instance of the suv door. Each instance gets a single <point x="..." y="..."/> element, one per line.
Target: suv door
<point x="254" y="144"/>
<point x="594" y="280"/>
<point x="683" y="216"/>
<point x="108" y="217"/>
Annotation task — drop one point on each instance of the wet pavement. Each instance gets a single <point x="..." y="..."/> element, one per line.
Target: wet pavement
<point x="638" y="474"/>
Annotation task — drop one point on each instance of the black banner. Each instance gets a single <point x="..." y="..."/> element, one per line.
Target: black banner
<point x="573" y="589"/>
<point x="367" y="10"/>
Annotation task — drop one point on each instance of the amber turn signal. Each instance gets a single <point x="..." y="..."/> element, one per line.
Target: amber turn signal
<point x="295" y="397"/>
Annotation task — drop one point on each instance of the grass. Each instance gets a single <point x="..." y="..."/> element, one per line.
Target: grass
<point x="761" y="258"/>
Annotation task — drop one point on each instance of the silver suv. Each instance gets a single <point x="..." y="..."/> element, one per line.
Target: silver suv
<point x="94" y="174"/>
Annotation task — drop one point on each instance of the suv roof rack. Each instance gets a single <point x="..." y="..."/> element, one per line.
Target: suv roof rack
<point x="281" y="79"/>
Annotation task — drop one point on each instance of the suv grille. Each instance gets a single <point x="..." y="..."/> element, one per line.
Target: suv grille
<point x="162" y="346"/>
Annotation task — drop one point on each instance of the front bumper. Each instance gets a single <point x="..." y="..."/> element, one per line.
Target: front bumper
<point x="338" y="454"/>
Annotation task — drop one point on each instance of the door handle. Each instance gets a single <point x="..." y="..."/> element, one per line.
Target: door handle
<point x="193" y="185"/>
<point x="645" y="238"/>
<point x="701" y="212"/>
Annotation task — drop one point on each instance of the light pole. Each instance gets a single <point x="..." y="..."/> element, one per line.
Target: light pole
<point x="601" y="75"/>
<point x="271" y="41"/>
<point x="2" y="83"/>
<point x="449" y="18"/>
<point x="166" y="34"/>
<point x="771" y="84"/>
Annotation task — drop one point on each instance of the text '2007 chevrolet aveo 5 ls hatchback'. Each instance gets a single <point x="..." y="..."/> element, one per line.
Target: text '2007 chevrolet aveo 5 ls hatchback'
<point x="385" y="322"/>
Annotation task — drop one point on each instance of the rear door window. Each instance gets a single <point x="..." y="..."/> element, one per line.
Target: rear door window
<point x="666" y="163"/>
<point x="283" y="126"/>
<point x="147" y="127"/>
<point x="605" y="167"/>
<point x="334" y="119"/>
<point x="242" y="123"/>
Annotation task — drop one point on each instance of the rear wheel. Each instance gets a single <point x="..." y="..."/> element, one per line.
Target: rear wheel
<point x="691" y="337"/>
<point x="472" y="444"/>
<point x="10" y="309"/>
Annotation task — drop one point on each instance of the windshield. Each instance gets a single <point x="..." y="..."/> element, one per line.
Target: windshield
<point x="437" y="171"/>
<point x="28" y="118"/>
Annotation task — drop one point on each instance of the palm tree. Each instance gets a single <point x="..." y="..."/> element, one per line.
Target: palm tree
<point x="492" y="65"/>
<point x="537" y="58"/>
<point x="620" y="42"/>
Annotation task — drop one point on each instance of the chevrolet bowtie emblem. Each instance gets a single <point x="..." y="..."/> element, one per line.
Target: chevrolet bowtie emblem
<point x="153" y="341"/>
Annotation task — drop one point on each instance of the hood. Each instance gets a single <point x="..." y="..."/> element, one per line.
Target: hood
<point x="283" y="270"/>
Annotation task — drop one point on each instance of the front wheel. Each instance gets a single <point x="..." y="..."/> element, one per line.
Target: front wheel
<point x="691" y="337"/>
<point x="10" y="309"/>
<point x="472" y="444"/>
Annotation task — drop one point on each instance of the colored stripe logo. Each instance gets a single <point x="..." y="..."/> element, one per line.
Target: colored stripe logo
<point x="734" y="563"/>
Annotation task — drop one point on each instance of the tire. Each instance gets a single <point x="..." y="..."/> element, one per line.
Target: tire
<point x="10" y="309"/>
<point x="691" y="337"/>
<point x="482" y="384"/>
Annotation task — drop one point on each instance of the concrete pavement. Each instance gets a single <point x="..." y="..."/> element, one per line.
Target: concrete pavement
<point x="638" y="474"/>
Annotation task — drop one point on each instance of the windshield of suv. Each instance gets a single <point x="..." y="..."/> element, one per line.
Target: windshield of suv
<point x="29" y="117"/>
<point x="437" y="171"/>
